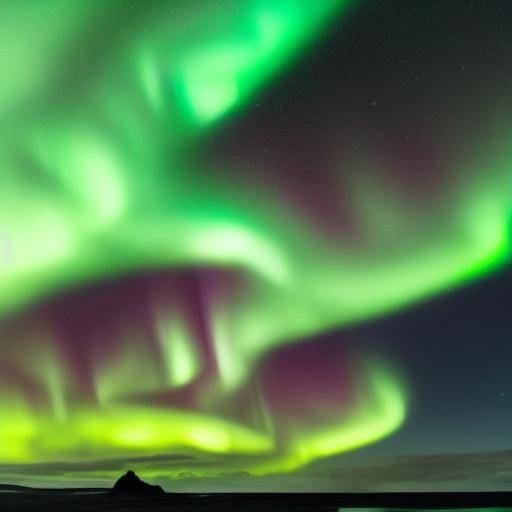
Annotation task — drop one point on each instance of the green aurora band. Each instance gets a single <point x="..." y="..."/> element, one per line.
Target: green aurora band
<point x="96" y="182"/>
<point x="120" y="429"/>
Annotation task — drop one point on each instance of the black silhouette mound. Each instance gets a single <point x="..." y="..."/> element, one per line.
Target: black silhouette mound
<point x="131" y="484"/>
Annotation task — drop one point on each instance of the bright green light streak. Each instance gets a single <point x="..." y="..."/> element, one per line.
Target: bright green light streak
<point x="120" y="430"/>
<point x="87" y="169"/>
<point x="223" y="72"/>
<point x="378" y="415"/>
<point x="178" y="347"/>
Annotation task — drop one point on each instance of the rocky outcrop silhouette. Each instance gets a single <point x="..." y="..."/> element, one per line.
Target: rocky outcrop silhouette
<point x="131" y="484"/>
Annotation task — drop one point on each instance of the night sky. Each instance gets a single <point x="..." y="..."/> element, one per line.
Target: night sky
<point x="257" y="244"/>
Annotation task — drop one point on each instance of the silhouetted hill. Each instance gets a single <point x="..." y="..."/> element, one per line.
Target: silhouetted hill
<point x="130" y="483"/>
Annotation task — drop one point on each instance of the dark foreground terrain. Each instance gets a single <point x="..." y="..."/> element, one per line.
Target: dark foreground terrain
<point x="15" y="499"/>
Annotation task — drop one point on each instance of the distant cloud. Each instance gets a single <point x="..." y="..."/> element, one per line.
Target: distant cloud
<point x="460" y="471"/>
<point x="457" y="472"/>
<point x="444" y="472"/>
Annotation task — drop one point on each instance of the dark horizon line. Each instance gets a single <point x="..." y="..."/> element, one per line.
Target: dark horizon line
<point x="422" y="499"/>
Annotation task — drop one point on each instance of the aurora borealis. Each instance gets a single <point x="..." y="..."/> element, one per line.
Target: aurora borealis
<point x="221" y="223"/>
